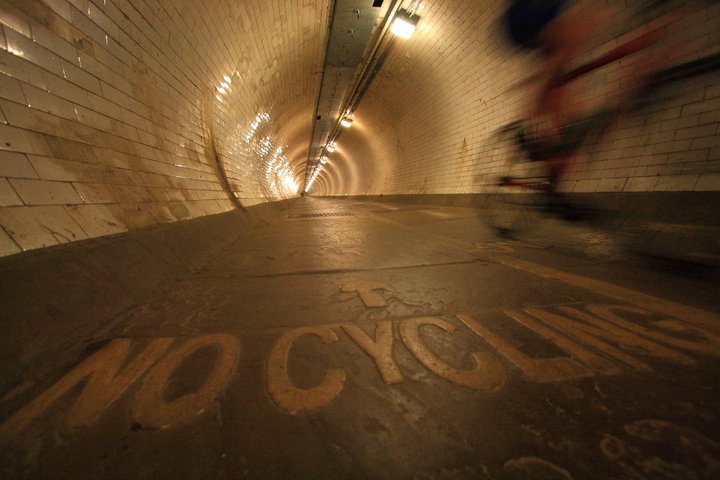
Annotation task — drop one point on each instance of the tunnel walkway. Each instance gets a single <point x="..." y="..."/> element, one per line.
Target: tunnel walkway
<point x="353" y="339"/>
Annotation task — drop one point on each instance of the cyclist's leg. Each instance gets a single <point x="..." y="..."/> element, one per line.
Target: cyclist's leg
<point x="562" y="39"/>
<point x="556" y="202"/>
<point x="514" y="197"/>
<point x="557" y="167"/>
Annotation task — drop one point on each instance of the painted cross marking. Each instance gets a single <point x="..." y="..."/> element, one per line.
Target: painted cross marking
<point x="366" y="290"/>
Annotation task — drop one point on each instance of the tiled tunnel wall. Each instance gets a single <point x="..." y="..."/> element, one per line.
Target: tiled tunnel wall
<point x="119" y="114"/>
<point x="427" y="124"/>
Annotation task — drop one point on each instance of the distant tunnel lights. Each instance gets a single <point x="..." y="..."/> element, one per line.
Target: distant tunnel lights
<point x="312" y="178"/>
<point x="330" y="148"/>
<point x="404" y="24"/>
<point x="346" y="122"/>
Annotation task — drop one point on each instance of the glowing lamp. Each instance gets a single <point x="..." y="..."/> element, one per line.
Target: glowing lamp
<point x="404" y="24"/>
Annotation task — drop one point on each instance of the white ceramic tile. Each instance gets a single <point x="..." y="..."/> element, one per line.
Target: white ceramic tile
<point x="43" y="192"/>
<point x="20" y="140"/>
<point x="14" y="19"/>
<point x="97" y="193"/>
<point x="49" y="103"/>
<point x="16" y="165"/>
<point x="8" y="196"/>
<point x="36" y="227"/>
<point x="95" y="220"/>
<point x="7" y="244"/>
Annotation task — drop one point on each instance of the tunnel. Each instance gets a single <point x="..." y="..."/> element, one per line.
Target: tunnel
<point x="315" y="239"/>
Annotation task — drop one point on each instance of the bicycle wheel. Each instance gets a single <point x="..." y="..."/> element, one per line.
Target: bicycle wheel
<point x="514" y="197"/>
<point x="512" y="213"/>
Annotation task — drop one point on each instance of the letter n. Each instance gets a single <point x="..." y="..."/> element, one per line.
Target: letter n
<point x="106" y="383"/>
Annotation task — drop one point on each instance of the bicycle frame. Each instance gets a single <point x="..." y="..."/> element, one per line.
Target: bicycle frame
<point x="535" y="184"/>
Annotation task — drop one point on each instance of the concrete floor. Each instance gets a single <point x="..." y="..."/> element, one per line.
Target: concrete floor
<point x="348" y="339"/>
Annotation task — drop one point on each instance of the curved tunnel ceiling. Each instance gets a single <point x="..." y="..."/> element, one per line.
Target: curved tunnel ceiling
<point x="421" y="125"/>
<point x="261" y="117"/>
<point x="296" y="98"/>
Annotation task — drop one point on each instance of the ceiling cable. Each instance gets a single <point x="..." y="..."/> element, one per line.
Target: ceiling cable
<point x="368" y="72"/>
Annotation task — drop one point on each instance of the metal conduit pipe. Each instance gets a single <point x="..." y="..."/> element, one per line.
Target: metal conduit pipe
<point x="370" y="69"/>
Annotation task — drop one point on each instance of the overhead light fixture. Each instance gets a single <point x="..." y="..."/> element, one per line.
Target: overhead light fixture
<point x="323" y="160"/>
<point x="346" y="122"/>
<point x="405" y="23"/>
<point x="330" y="148"/>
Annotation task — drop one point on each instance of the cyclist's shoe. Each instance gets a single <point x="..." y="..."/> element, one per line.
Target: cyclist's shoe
<point x="559" y="206"/>
<point x="505" y="181"/>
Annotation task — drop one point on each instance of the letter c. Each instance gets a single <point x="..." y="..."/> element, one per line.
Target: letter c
<point x="281" y="389"/>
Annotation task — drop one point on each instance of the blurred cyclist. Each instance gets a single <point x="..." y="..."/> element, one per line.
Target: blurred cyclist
<point x="555" y="125"/>
<point x="559" y="29"/>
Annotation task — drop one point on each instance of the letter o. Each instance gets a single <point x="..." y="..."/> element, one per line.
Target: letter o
<point x="151" y="410"/>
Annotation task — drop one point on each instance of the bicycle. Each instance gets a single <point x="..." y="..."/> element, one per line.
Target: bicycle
<point x="533" y="163"/>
